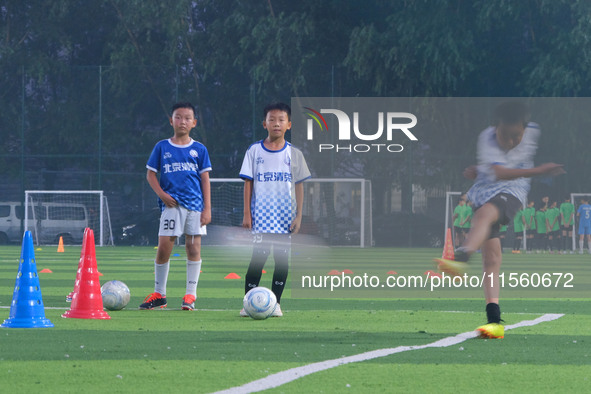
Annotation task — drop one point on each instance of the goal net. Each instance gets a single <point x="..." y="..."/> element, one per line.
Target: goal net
<point x="336" y="210"/>
<point x="50" y="215"/>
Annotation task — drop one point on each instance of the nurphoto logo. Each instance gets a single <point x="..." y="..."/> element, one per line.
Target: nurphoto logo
<point x="351" y="137"/>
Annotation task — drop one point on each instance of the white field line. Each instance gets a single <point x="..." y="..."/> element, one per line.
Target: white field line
<point x="281" y="378"/>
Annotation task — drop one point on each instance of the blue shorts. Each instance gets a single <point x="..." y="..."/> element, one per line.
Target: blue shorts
<point x="585" y="229"/>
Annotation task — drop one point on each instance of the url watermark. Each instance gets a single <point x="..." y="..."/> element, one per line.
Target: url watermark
<point x="433" y="281"/>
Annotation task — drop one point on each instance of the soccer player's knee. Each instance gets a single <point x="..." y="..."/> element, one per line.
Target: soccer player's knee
<point x="260" y="254"/>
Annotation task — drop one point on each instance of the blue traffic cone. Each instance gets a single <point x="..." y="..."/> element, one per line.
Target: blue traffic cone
<point x="26" y="310"/>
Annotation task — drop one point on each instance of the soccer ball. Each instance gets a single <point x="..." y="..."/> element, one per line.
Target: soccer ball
<point x="115" y="295"/>
<point x="259" y="303"/>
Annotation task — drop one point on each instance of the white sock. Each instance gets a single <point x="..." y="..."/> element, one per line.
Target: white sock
<point x="161" y="276"/>
<point x="193" y="271"/>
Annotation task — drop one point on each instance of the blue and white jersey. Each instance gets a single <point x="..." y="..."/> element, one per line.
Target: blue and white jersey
<point x="180" y="168"/>
<point x="273" y="173"/>
<point x="584" y="212"/>
<point x="489" y="153"/>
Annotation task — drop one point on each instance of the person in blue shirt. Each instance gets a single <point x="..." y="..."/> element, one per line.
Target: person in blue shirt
<point x="185" y="200"/>
<point x="584" y="216"/>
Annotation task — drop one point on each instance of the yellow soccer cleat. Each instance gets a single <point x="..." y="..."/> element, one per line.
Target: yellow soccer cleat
<point x="451" y="267"/>
<point x="492" y="331"/>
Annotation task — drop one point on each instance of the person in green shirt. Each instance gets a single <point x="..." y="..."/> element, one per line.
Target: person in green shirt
<point x="541" y="239"/>
<point x="567" y="217"/>
<point x="466" y="222"/>
<point x="529" y="214"/>
<point x="552" y="226"/>
<point x="518" y="226"/>
<point x="457" y="219"/>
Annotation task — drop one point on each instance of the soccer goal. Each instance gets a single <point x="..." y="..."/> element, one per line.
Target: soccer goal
<point x="337" y="210"/>
<point x="51" y="214"/>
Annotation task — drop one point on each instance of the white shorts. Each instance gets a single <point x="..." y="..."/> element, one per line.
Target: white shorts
<point x="177" y="221"/>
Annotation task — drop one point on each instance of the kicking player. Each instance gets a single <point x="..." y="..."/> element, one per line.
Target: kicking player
<point x="184" y="198"/>
<point x="505" y="154"/>
<point x="272" y="170"/>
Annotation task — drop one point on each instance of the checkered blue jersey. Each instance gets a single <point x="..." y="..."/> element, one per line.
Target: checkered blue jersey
<point x="489" y="153"/>
<point x="180" y="168"/>
<point x="273" y="173"/>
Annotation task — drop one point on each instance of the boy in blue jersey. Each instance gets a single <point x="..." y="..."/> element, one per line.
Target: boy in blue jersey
<point x="271" y="169"/>
<point x="505" y="164"/>
<point x="584" y="215"/>
<point x="184" y="198"/>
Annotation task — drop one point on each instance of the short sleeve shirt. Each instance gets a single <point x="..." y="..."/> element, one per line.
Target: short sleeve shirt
<point x="273" y="174"/>
<point x="180" y="168"/>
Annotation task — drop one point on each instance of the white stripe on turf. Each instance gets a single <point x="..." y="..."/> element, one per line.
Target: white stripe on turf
<point x="281" y="378"/>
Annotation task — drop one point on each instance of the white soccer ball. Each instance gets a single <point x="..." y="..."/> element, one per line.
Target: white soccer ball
<point x="115" y="295"/>
<point x="259" y="303"/>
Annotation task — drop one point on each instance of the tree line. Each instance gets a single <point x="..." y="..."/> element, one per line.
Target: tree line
<point x="93" y="80"/>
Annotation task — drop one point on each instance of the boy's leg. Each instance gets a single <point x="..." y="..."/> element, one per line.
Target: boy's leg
<point x="161" y="268"/>
<point x="491" y="265"/>
<point x="193" y="249"/>
<point x="483" y="219"/>
<point x="162" y="263"/>
<point x="260" y="253"/>
<point x="281" y="251"/>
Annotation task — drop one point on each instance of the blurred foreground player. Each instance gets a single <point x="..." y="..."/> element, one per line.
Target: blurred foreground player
<point x="505" y="154"/>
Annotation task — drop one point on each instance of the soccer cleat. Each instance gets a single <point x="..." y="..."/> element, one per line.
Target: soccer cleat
<point x="243" y="313"/>
<point x="277" y="312"/>
<point x="451" y="267"/>
<point x="491" y="330"/>
<point x="188" y="302"/>
<point x="154" y="300"/>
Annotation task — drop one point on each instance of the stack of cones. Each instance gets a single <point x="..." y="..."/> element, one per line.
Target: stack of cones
<point x="87" y="301"/>
<point x="448" y="247"/>
<point x="26" y="310"/>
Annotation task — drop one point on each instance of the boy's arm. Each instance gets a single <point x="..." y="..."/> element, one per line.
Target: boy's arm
<point x="247" y="214"/>
<point x="297" y="222"/>
<point x="504" y="173"/>
<point x="166" y="198"/>
<point x="206" y="193"/>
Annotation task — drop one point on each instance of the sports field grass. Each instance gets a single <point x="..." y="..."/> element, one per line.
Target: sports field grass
<point x="213" y="349"/>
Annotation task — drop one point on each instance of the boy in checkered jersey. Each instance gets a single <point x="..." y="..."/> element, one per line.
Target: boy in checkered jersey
<point x="273" y="171"/>
<point x="505" y="163"/>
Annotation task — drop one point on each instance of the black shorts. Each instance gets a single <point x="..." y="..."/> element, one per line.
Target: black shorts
<point x="508" y="205"/>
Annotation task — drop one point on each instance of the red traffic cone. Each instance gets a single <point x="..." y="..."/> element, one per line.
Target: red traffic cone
<point x="82" y="253"/>
<point x="448" y="247"/>
<point x="87" y="301"/>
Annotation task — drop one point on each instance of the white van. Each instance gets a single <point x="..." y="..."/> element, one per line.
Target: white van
<point x="47" y="222"/>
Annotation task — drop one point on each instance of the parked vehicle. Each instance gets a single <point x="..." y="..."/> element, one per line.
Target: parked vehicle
<point x="47" y="222"/>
